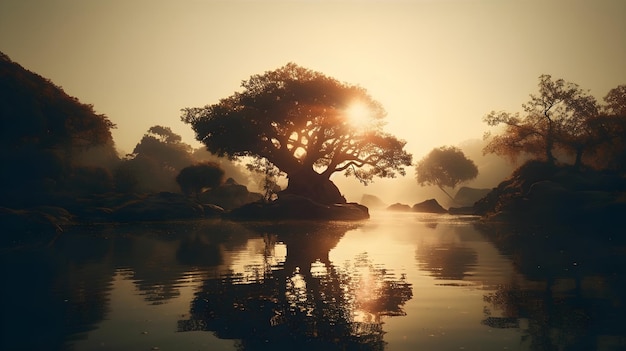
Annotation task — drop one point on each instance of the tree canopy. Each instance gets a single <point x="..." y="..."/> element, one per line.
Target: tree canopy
<point x="445" y="166"/>
<point x="298" y="120"/>
<point x="34" y="111"/>
<point x="561" y="117"/>
<point x="193" y="179"/>
<point x="156" y="160"/>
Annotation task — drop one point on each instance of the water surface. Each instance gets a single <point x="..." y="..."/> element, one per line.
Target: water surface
<point x="399" y="281"/>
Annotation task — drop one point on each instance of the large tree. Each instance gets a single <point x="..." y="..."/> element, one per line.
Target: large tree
<point x="445" y="166"/>
<point x="556" y="117"/>
<point x="303" y="122"/>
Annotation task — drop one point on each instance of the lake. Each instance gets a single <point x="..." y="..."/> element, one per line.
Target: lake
<point x="398" y="281"/>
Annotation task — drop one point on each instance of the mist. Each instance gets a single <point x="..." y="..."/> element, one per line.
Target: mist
<point x="492" y="169"/>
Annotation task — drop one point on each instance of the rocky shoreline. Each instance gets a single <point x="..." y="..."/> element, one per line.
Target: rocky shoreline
<point x="539" y="193"/>
<point x="536" y="194"/>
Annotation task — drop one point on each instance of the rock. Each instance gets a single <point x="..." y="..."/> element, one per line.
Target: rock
<point x="308" y="183"/>
<point x="229" y="195"/>
<point x="159" y="207"/>
<point x="429" y="206"/>
<point x="297" y="207"/>
<point x="539" y="193"/>
<point x="467" y="196"/>
<point x="399" y="207"/>
<point x="31" y="226"/>
<point x="372" y="201"/>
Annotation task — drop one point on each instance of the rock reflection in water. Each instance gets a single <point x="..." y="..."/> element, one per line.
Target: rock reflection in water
<point x="308" y="303"/>
<point x="573" y="292"/>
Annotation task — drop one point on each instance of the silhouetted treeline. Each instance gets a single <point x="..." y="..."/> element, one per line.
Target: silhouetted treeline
<point x="564" y="124"/>
<point x="44" y="136"/>
<point x="54" y="148"/>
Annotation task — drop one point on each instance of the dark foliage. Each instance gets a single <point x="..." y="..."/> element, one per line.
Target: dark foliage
<point x="155" y="162"/>
<point x="42" y="130"/>
<point x="194" y="179"/>
<point x="297" y="119"/>
<point x="564" y="120"/>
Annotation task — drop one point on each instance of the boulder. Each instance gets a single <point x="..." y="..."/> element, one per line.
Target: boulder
<point x="398" y="207"/>
<point x="429" y="206"/>
<point x="539" y="193"/>
<point x="37" y="225"/>
<point x="289" y="206"/>
<point x="159" y="207"/>
<point x="308" y="183"/>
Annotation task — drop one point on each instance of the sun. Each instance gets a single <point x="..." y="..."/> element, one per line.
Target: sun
<point x="359" y="115"/>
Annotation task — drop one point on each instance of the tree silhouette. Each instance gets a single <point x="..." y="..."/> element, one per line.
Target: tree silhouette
<point x="193" y="179"/>
<point x="155" y="162"/>
<point x="610" y="131"/>
<point x="42" y="132"/>
<point x="306" y="303"/>
<point x="615" y="101"/>
<point x="445" y="166"/>
<point x="557" y="115"/>
<point x="298" y="120"/>
<point x="563" y="117"/>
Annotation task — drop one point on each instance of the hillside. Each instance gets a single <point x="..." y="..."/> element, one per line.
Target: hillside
<point x="47" y="138"/>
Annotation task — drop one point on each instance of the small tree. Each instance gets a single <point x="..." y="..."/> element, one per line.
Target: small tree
<point x="269" y="174"/>
<point x="445" y="166"/>
<point x="194" y="179"/>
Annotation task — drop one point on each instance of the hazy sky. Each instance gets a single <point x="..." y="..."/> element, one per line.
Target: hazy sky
<point x="436" y="66"/>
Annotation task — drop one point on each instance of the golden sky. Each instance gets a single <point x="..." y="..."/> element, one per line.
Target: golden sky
<point x="436" y="66"/>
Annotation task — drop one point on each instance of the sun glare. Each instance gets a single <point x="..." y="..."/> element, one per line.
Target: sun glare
<point x="359" y="115"/>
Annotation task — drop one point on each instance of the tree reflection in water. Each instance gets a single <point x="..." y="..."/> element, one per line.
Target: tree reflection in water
<point x="446" y="260"/>
<point x="309" y="303"/>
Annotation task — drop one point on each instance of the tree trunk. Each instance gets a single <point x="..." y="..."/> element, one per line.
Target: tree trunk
<point x="579" y="158"/>
<point x="444" y="190"/>
<point x="312" y="185"/>
<point x="549" y="146"/>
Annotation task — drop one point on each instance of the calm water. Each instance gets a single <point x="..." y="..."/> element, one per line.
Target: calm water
<point x="399" y="281"/>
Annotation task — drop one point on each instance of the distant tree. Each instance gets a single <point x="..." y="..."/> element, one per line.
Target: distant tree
<point x="155" y="162"/>
<point x="556" y="116"/>
<point x="299" y="120"/>
<point x="615" y="101"/>
<point x="165" y="147"/>
<point x="232" y="168"/>
<point x="610" y="131"/>
<point x="445" y="166"/>
<point x="194" y="179"/>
